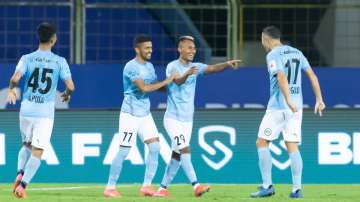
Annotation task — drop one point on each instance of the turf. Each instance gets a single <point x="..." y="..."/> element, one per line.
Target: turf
<point x="218" y="192"/>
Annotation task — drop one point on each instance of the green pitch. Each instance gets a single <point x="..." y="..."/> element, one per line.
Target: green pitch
<point x="181" y="193"/>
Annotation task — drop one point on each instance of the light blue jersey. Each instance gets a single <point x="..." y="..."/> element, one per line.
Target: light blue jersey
<point x="291" y="61"/>
<point x="180" y="100"/>
<point x="136" y="102"/>
<point x="41" y="70"/>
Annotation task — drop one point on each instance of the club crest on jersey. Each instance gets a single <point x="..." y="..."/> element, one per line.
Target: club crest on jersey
<point x="272" y="65"/>
<point x="267" y="131"/>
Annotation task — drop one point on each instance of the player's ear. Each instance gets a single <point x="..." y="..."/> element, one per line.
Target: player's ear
<point x="53" y="39"/>
<point x="137" y="51"/>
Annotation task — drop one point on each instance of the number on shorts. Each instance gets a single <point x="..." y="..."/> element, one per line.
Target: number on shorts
<point x="179" y="138"/>
<point x="126" y="134"/>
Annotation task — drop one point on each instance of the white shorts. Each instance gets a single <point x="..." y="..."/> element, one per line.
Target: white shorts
<point x="179" y="132"/>
<point x="130" y="126"/>
<point x="36" y="131"/>
<point x="285" y="121"/>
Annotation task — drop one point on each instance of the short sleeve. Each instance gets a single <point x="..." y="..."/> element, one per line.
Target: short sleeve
<point x="133" y="73"/>
<point x="274" y="64"/>
<point x="21" y="66"/>
<point x="202" y="67"/>
<point x="304" y="62"/>
<point x="169" y="69"/>
<point x="153" y="73"/>
<point x="65" y="73"/>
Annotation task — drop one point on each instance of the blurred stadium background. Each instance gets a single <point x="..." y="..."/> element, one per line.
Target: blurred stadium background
<point x="95" y="36"/>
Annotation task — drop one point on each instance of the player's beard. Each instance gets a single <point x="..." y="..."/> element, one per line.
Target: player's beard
<point x="146" y="56"/>
<point x="190" y="59"/>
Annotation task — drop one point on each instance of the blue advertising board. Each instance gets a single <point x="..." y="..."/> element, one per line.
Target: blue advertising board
<point x="100" y="86"/>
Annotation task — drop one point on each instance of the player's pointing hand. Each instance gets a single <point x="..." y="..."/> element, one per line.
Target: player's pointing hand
<point x="234" y="63"/>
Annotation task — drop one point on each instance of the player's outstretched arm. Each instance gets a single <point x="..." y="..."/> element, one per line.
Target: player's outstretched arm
<point x="222" y="66"/>
<point x="12" y="95"/>
<point x="145" y="88"/>
<point x="70" y="87"/>
<point x="284" y="87"/>
<point x="320" y="105"/>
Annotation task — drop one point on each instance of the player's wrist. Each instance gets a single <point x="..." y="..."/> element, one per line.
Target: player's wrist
<point x="319" y="100"/>
<point x="66" y="94"/>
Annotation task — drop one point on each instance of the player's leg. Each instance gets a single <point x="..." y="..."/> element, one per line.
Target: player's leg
<point x="170" y="172"/>
<point x="269" y="130"/>
<point x="25" y="151"/>
<point x="182" y="140"/>
<point x="292" y="137"/>
<point x="150" y="136"/>
<point x="128" y="126"/>
<point x="23" y="157"/>
<point x="190" y="172"/>
<point x="173" y="166"/>
<point x="42" y="129"/>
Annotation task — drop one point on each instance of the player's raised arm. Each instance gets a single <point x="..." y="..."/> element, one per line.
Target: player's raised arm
<point x="320" y="105"/>
<point x="284" y="87"/>
<point x="12" y="95"/>
<point x="145" y="88"/>
<point x="234" y="64"/>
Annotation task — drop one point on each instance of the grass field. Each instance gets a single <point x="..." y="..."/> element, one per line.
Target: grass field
<point x="218" y="193"/>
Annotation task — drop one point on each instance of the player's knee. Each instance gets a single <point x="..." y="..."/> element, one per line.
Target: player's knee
<point x="27" y="145"/>
<point x="185" y="150"/>
<point x="124" y="151"/>
<point x="292" y="146"/>
<point x="151" y="140"/>
<point x="154" y="147"/>
<point x="37" y="152"/>
<point x="175" y="156"/>
<point x="261" y="143"/>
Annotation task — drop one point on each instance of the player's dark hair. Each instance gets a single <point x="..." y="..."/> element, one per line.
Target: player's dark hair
<point x="141" y="39"/>
<point x="184" y="38"/>
<point x="45" y="31"/>
<point x="272" y="32"/>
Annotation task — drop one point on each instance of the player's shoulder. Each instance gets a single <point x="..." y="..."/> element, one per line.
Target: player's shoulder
<point x="149" y="64"/>
<point x="29" y="57"/>
<point x="281" y="51"/>
<point x="172" y="64"/>
<point x="275" y="52"/>
<point x="131" y="65"/>
<point x="293" y="49"/>
<point x="271" y="54"/>
<point x="198" y="64"/>
<point x="59" y="59"/>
